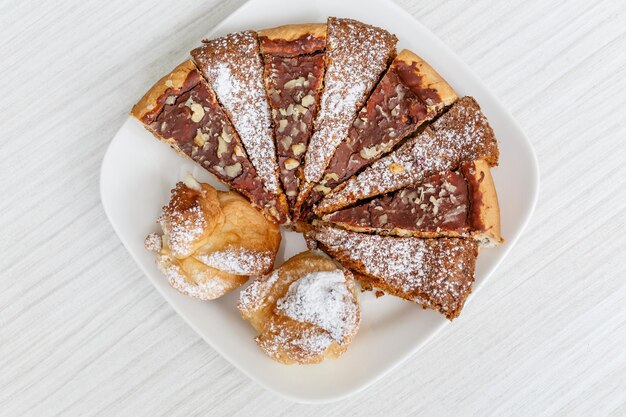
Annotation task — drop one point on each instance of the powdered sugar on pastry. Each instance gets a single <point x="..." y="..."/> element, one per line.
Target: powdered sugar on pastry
<point x="206" y="285"/>
<point x="233" y="68"/>
<point x="356" y="54"/>
<point x="184" y="220"/>
<point x="461" y="135"/>
<point x="321" y="298"/>
<point x="257" y="293"/>
<point x="303" y="343"/>
<point x="239" y="261"/>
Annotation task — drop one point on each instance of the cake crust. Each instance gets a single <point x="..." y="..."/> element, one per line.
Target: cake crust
<point x="429" y="79"/>
<point x="485" y="210"/>
<point x="175" y="80"/>
<point x="294" y="32"/>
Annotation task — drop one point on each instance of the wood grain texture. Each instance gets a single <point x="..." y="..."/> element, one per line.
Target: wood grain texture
<point x="82" y="332"/>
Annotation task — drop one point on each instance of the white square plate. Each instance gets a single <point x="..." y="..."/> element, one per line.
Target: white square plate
<point x="139" y="171"/>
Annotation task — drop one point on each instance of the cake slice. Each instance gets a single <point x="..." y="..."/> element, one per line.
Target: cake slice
<point x="462" y="134"/>
<point x="181" y="110"/>
<point x="294" y="72"/>
<point x="356" y="56"/>
<point x="459" y="203"/>
<point x="410" y="93"/>
<point x="233" y="68"/>
<point x="436" y="273"/>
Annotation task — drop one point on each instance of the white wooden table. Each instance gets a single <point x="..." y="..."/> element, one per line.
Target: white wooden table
<point x="82" y="331"/>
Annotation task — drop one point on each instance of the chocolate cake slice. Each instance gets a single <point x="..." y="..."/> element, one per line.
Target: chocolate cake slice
<point x="409" y="94"/>
<point x="459" y="203"/>
<point x="356" y="56"/>
<point x="233" y="68"/>
<point x="462" y="134"/>
<point x="181" y="109"/>
<point x="436" y="273"/>
<point x="294" y="72"/>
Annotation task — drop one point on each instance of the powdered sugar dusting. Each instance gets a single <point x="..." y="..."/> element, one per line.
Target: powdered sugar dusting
<point x="153" y="242"/>
<point x="252" y="298"/>
<point x="437" y="273"/>
<point x="232" y="66"/>
<point x="323" y="299"/>
<point x="462" y="134"/>
<point x="301" y="343"/>
<point x="206" y="287"/>
<point x="356" y="54"/>
<point x="239" y="261"/>
<point x="182" y="221"/>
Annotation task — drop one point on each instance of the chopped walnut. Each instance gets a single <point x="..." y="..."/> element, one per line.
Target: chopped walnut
<point x="291" y="163"/>
<point x="233" y="170"/>
<point x="298" y="148"/>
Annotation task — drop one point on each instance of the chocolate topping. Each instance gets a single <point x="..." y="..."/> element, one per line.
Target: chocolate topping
<point x="462" y="134"/>
<point x="192" y="118"/>
<point x="293" y="86"/>
<point x="440" y="204"/>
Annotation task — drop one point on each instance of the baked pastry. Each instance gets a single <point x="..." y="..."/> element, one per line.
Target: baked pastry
<point x="459" y="203"/>
<point x="182" y="111"/>
<point x="372" y="155"/>
<point x="436" y="273"/>
<point x="305" y="312"/>
<point x="233" y="67"/>
<point x="462" y="134"/>
<point x="294" y="71"/>
<point x="356" y="56"/>
<point x="410" y="93"/>
<point x="212" y="240"/>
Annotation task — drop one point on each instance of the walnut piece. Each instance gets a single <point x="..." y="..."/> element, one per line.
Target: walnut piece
<point x="291" y="163"/>
<point x="233" y="170"/>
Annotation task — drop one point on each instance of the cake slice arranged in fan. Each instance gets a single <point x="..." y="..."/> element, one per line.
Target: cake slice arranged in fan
<point x="462" y="134"/>
<point x="436" y="273"/>
<point x="181" y="109"/>
<point x="409" y="94"/>
<point x="294" y="72"/>
<point x="233" y="68"/>
<point x="356" y="56"/>
<point x="459" y="203"/>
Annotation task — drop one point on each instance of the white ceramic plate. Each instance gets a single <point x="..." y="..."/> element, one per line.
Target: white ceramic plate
<point x="139" y="171"/>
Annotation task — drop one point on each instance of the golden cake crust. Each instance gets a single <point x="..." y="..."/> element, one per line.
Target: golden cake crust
<point x="173" y="80"/>
<point x="293" y="32"/>
<point x="485" y="210"/>
<point x="430" y="78"/>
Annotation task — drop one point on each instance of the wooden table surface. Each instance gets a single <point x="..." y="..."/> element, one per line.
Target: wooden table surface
<point x="83" y="332"/>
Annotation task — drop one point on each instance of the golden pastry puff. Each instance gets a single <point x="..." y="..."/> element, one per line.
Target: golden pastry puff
<point x="305" y="312"/>
<point x="212" y="240"/>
